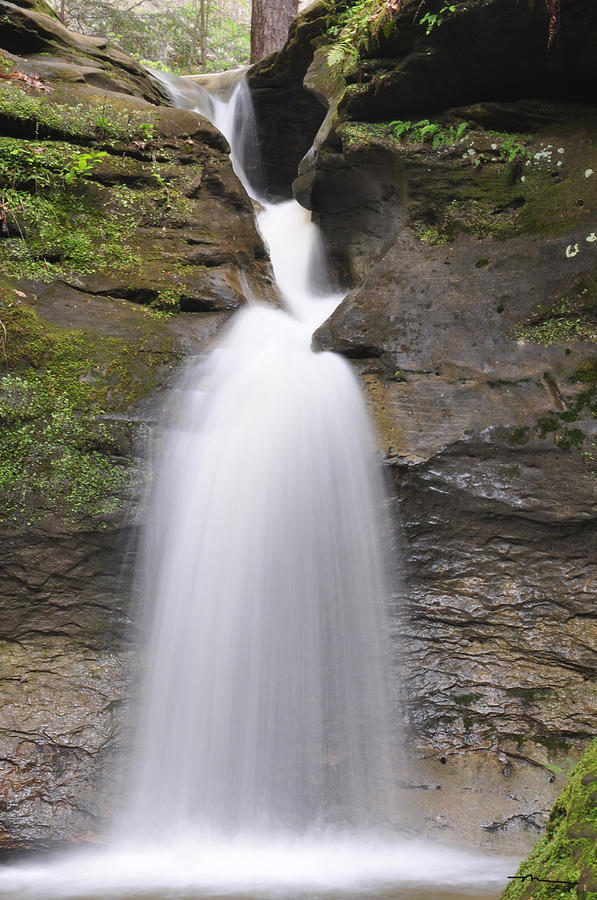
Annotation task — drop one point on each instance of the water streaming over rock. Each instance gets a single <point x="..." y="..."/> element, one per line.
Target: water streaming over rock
<point x="267" y="702"/>
<point x="265" y="757"/>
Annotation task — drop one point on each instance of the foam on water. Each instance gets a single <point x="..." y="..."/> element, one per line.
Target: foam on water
<point x="202" y="866"/>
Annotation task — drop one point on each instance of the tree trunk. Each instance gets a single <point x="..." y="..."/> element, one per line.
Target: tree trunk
<point x="205" y="7"/>
<point x="198" y="16"/>
<point x="270" y="20"/>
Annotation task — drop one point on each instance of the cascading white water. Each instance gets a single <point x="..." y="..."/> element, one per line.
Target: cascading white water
<point x="265" y="762"/>
<point x="267" y="700"/>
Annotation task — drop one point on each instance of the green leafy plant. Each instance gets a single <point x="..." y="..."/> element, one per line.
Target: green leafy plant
<point x="148" y="130"/>
<point x="434" y="20"/>
<point x="81" y="164"/>
<point x="424" y="131"/>
<point x="166" y="303"/>
<point x="511" y="147"/>
<point x="357" y="29"/>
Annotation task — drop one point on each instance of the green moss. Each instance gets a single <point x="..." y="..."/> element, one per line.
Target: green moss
<point x="556" y="330"/>
<point x="531" y="694"/>
<point x="571" y="316"/>
<point x="567" y="851"/>
<point x="570" y="428"/>
<point x="61" y="233"/>
<point x="466" y="699"/>
<point x="95" y="120"/>
<point x="167" y="301"/>
<point x="519" y="436"/>
<point x="25" y="341"/>
<point x="356" y="135"/>
<point x="62" y="224"/>
<point x="555" y="424"/>
<point x="433" y="235"/>
<point x="46" y="458"/>
<point x="551" y="742"/>
<point x="586" y="372"/>
<point x="57" y="452"/>
<point x="6" y="64"/>
<point x="565" y="438"/>
<point x="463" y="178"/>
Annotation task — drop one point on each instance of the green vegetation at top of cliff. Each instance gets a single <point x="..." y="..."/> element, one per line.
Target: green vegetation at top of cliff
<point x="566" y="853"/>
<point x="392" y="134"/>
<point x="481" y="145"/>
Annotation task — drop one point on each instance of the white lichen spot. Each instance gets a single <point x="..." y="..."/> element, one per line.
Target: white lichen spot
<point x="472" y="152"/>
<point x="465" y="155"/>
<point x="494" y="146"/>
<point x="559" y="162"/>
<point x="528" y="162"/>
<point x="560" y="149"/>
<point x="523" y="178"/>
<point x="588" y="173"/>
<point x="572" y="250"/>
<point x="591" y="238"/>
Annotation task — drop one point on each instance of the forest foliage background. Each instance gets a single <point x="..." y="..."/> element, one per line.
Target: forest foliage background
<point x="185" y="36"/>
<point x="179" y="36"/>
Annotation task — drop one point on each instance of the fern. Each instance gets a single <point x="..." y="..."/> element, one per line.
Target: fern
<point x="336" y="55"/>
<point x="358" y="28"/>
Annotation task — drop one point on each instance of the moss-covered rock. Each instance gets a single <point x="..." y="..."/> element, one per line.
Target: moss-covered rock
<point x="33" y="28"/>
<point x="125" y="243"/>
<point x="563" y="863"/>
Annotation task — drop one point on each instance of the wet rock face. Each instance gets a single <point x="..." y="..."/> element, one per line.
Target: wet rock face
<point x="501" y="610"/>
<point x="477" y="354"/>
<point x="124" y="271"/>
<point x="471" y="249"/>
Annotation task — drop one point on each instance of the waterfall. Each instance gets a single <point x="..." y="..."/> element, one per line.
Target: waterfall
<point x="265" y="761"/>
<point x="267" y="703"/>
